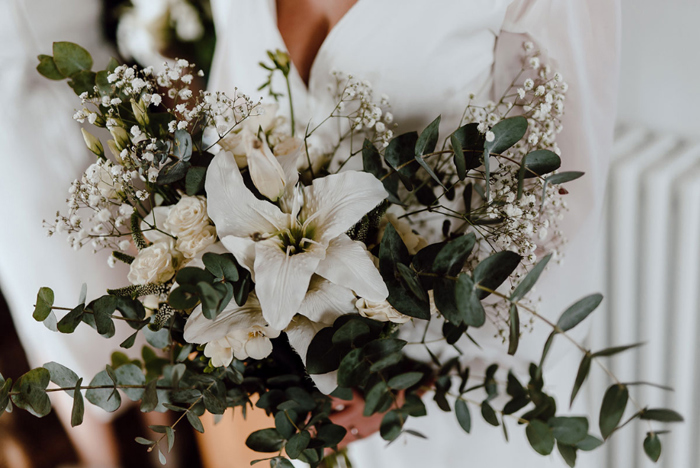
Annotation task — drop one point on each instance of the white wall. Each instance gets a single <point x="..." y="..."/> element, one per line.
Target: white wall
<point x="660" y="82"/>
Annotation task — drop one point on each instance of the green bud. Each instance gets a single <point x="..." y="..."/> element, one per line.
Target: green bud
<point x="93" y="143"/>
<point x="281" y="60"/>
<point x="113" y="148"/>
<point x="139" y="110"/>
<point x="121" y="137"/>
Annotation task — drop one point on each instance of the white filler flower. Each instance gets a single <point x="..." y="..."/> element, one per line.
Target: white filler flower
<point x="284" y="247"/>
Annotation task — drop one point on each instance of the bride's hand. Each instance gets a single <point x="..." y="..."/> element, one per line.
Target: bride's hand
<point x="349" y="415"/>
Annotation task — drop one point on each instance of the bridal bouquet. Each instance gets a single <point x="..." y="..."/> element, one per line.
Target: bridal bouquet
<point x="267" y="269"/>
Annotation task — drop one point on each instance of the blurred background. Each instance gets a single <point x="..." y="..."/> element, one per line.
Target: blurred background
<point x="649" y="262"/>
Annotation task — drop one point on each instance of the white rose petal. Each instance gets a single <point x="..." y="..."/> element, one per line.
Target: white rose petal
<point x="190" y="246"/>
<point x="154" y="264"/>
<point x="188" y="217"/>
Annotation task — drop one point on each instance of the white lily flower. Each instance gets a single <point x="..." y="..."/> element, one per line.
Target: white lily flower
<point x="265" y="171"/>
<point x="239" y="332"/>
<point x="284" y="247"/>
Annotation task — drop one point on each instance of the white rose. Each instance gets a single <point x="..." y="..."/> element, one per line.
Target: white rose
<point x="188" y="217"/>
<point x="99" y="176"/>
<point x="380" y="311"/>
<point x="190" y="246"/>
<point x="288" y="146"/>
<point x="414" y="242"/>
<point x="154" y="264"/>
<point x="233" y="143"/>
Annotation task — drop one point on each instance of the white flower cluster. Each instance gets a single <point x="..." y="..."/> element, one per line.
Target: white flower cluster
<point x="356" y="103"/>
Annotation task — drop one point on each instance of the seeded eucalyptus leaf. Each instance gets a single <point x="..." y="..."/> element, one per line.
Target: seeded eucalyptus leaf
<point x="70" y="58"/>
<point x="182" y="146"/>
<point x="541" y="162"/>
<point x="463" y="416"/>
<point x="222" y="266"/>
<point x="353" y="370"/>
<point x="265" y="440"/>
<point x="612" y="409"/>
<point x="569" y="430"/>
<point x="514" y="327"/>
<point x="47" y="68"/>
<point x="212" y="298"/>
<point x="579" y="311"/>
<point x="44" y="302"/>
<point x="494" y="270"/>
<point x="568" y="453"/>
<point x="583" y="370"/>
<point x="31" y="389"/>
<point x="61" y="376"/>
<point x="615" y="350"/>
<point x="297" y="444"/>
<point x="391" y="425"/>
<point x="130" y="374"/>
<point x="78" y="410"/>
<point x="467" y="300"/>
<point x="106" y="398"/>
<point x="529" y="281"/>
<point x="661" y="415"/>
<point x="652" y="446"/>
<point x="540" y="436"/>
<point x="375" y="398"/>
<point x="392" y="252"/>
<point x="404" y="381"/>
<point x="242" y="288"/>
<point x="372" y="163"/>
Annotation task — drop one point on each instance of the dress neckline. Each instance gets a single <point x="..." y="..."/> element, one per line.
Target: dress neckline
<point x="332" y="33"/>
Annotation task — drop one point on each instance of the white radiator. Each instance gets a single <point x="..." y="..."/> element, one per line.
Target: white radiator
<point x="651" y="280"/>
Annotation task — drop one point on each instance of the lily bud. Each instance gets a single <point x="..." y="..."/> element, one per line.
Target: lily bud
<point x="113" y="148"/>
<point x="121" y="137"/>
<point x="267" y="174"/>
<point x="139" y="110"/>
<point x="93" y="143"/>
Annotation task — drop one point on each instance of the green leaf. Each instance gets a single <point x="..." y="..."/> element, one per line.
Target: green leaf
<point x="193" y="276"/>
<point x="31" y="388"/>
<point x="488" y="413"/>
<point x="387" y="361"/>
<point x="459" y="159"/>
<point x="569" y="430"/>
<point x="579" y="311"/>
<point x="372" y="163"/>
<point x="375" y="398"/>
<point x="71" y="320"/>
<point x="70" y="58"/>
<point x="173" y="172"/>
<point x="392" y="251"/>
<point x="661" y="415"/>
<point x="612" y="409"/>
<point x="322" y="357"/>
<point x="161" y="458"/>
<point x="541" y="162"/>
<point x="401" y="150"/>
<point x="265" y="440"/>
<point x="106" y="398"/>
<point x="529" y="281"/>
<point x="280" y="462"/>
<point x="507" y="132"/>
<point x="467" y="300"/>
<point x="158" y="339"/>
<point x="170" y="434"/>
<point x="514" y="326"/>
<point x="583" y="370"/>
<point x="450" y="259"/>
<point x="78" y="410"/>
<point x="589" y="443"/>
<point x="149" y="401"/>
<point x="184" y="297"/>
<point x="426" y="144"/>
<point x="47" y="68"/>
<point x="354" y="333"/>
<point x="194" y="180"/>
<point x="4" y="394"/>
<point x="568" y="453"/>
<point x="130" y="374"/>
<point x="614" y="350"/>
<point x="83" y="82"/>
<point x="222" y="266"/>
<point x="297" y="444"/>
<point x="463" y="416"/>
<point x="61" y="376"/>
<point x="331" y="434"/>
<point x="494" y="270"/>
<point x="143" y="441"/>
<point x="540" y="436"/>
<point x="284" y="423"/>
<point x="182" y="145"/>
<point x="391" y="425"/>
<point x="652" y="446"/>
<point x="468" y="144"/>
<point x="404" y="381"/>
<point x="410" y="279"/>
<point x="103" y="309"/>
<point x="353" y="370"/>
<point x="215" y="297"/>
<point x="195" y="422"/>
<point x="563" y="177"/>
<point x="44" y="302"/>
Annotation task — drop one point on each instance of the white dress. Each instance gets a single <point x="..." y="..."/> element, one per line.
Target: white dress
<point x="428" y="56"/>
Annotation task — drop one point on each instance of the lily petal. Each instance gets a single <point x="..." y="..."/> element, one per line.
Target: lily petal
<point x="301" y="332"/>
<point x="243" y="249"/>
<point x="233" y="208"/>
<point x="339" y="201"/>
<point x="282" y="280"/>
<point x="326" y="301"/>
<point x="348" y="263"/>
<point x="200" y="329"/>
<point x="265" y="171"/>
